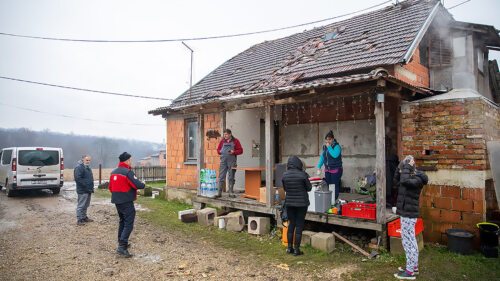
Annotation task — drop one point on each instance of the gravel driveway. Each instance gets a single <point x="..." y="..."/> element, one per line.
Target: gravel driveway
<point x="39" y="240"/>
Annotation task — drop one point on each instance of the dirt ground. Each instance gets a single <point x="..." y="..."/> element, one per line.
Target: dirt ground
<point x="39" y="240"/>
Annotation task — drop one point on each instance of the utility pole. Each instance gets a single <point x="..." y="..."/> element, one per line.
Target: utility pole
<point x="191" y="71"/>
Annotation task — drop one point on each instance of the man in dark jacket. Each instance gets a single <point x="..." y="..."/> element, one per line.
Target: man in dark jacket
<point x="84" y="188"/>
<point x="123" y="185"/>
<point x="296" y="184"/>
<point x="410" y="182"/>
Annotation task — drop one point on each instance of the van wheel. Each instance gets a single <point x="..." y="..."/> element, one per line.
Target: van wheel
<point x="10" y="192"/>
<point x="56" y="190"/>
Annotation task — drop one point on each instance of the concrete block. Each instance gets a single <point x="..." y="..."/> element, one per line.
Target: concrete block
<point x="259" y="225"/>
<point x="396" y="245"/>
<point x="306" y="237"/>
<point x="235" y="221"/>
<point x="206" y="216"/>
<point x="190" y="211"/>
<point x="323" y="241"/>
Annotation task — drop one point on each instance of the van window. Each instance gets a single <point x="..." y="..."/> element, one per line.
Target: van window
<point x="6" y="155"/>
<point x="38" y="157"/>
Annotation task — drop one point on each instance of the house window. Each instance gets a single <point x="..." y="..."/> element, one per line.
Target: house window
<point x="480" y="60"/>
<point x="191" y="137"/>
<point x="440" y="51"/>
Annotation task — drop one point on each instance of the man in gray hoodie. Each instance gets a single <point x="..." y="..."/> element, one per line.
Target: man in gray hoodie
<point x="84" y="188"/>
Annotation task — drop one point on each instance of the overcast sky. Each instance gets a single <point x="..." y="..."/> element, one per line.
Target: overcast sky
<point x="148" y="69"/>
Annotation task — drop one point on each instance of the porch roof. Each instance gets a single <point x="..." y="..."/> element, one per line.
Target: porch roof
<point x="373" y="75"/>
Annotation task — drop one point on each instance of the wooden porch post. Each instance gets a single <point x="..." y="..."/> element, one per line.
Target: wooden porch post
<point x="380" y="162"/>
<point x="166" y="154"/>
<point x="201" y="143"/>
<point x="269" y="128"/>
<point x="222" y="121"/>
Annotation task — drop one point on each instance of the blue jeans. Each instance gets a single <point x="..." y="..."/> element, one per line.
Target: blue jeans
<point x="126" y="212"/>
<point x="334" y="179"/>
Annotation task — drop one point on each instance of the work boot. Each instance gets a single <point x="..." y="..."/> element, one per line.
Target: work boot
<point x="123" y="252"/>
<point x="80" y="222"/>
<point x="289" y="249"/>
<point x="297" y="251"/>
<point x="88" y="220"/>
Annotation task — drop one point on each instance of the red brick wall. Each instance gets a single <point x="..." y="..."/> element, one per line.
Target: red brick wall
<point x="443" y="207"/>
<point x="420" y="72"/>
<point x="456" y="131"/>
<point x="178" y="174"/>
<point x="186" y="176"/>
<point x="212" y="160"/>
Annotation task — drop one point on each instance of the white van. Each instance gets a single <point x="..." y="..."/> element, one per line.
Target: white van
<point x="24" y="168"/>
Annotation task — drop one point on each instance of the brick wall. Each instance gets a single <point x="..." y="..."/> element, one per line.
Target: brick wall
<point x="212" y="160"/>
<point x="413" y="72"/>
<point x="450" y="136"/>
<point x="443" y="207"/>
<point x="178" y="173"/>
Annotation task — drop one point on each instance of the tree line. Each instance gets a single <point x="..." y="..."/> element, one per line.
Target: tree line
<point x="103" y="150"/>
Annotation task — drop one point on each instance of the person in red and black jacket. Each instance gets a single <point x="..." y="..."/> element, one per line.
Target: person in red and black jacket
<point x="229" y="147"/>
<point x="123" y="185"/>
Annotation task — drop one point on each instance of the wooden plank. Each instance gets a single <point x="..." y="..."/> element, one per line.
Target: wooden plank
<point x="380" y="160"/>
<point x="344" y="221"/>
<point x="356" y="247"/>
<point x="269" y="137"/>
<point x="239" y="204"/>
<point x="201" y="141"/>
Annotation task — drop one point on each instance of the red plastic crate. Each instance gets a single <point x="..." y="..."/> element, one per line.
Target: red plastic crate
<point x="360" y="210"/>
<point x="394" y="227"/>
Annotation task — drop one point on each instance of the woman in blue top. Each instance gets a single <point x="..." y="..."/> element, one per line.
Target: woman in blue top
<point x="331" y="157"/>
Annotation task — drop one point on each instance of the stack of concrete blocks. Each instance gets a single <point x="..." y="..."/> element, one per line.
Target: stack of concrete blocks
<point x="307" y="236"/>
<point x="396" y="244"/>
<point x="185" y="212"/>
<point x="259" y="225"/>
<point x="206" y="216"/>
<point x="235" y="221"/>
<point x="323" y="241"/>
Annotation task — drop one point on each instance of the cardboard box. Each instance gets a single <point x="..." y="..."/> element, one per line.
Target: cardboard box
<point x="262" y="195"/>
<point x="281" y="192"/>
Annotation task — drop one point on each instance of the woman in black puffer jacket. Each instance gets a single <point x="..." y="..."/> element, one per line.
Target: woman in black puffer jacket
<point x="296" y="184"/>
<point x="410" y="182"/>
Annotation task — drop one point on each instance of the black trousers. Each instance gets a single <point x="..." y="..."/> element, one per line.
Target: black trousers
<point x="126" y="212"/>
<point x="296" y="219"/>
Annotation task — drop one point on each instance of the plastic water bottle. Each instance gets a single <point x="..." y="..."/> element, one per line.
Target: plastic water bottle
<point x="276" y="197"/>
<point x="203" y="188"/>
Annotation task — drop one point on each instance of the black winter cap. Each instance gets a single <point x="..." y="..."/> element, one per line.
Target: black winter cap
<point x="124" y="157"/>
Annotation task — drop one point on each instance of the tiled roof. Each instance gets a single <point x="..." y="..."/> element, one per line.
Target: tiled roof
<point x="362" y="43"/>
<point x="306" y="85"/>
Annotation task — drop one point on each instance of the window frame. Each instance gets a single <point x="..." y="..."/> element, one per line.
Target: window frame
<point x="187" y="157"/>
<point x="10" y="156"/>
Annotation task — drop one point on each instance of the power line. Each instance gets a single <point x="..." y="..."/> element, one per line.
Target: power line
<point x="194" y="38"/>
<point x="85" y="90"/>
<point x="459" y="4"/>
<point x="76" y="117"/>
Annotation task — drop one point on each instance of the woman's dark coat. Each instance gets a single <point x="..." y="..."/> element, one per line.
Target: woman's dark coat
<point x="409" y="183"/>
<point x="296" y="184"/>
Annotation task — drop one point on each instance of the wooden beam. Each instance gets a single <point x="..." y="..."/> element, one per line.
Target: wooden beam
<point x="222" y="122"/>
<point x="201" y="141"/>
<point x="269" y="133"/>
<point x="380" y="158"/>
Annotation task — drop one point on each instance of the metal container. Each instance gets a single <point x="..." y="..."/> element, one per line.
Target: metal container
<point x="323" y="200"/>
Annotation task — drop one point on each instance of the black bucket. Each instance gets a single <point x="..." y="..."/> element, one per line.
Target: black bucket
<point x="459" y="241"/>
<point x="488" y="232"/>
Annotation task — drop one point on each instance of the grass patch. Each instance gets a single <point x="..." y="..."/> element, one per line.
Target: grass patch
<point x="156" y="184"/>
<point x="436" y="263"/>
